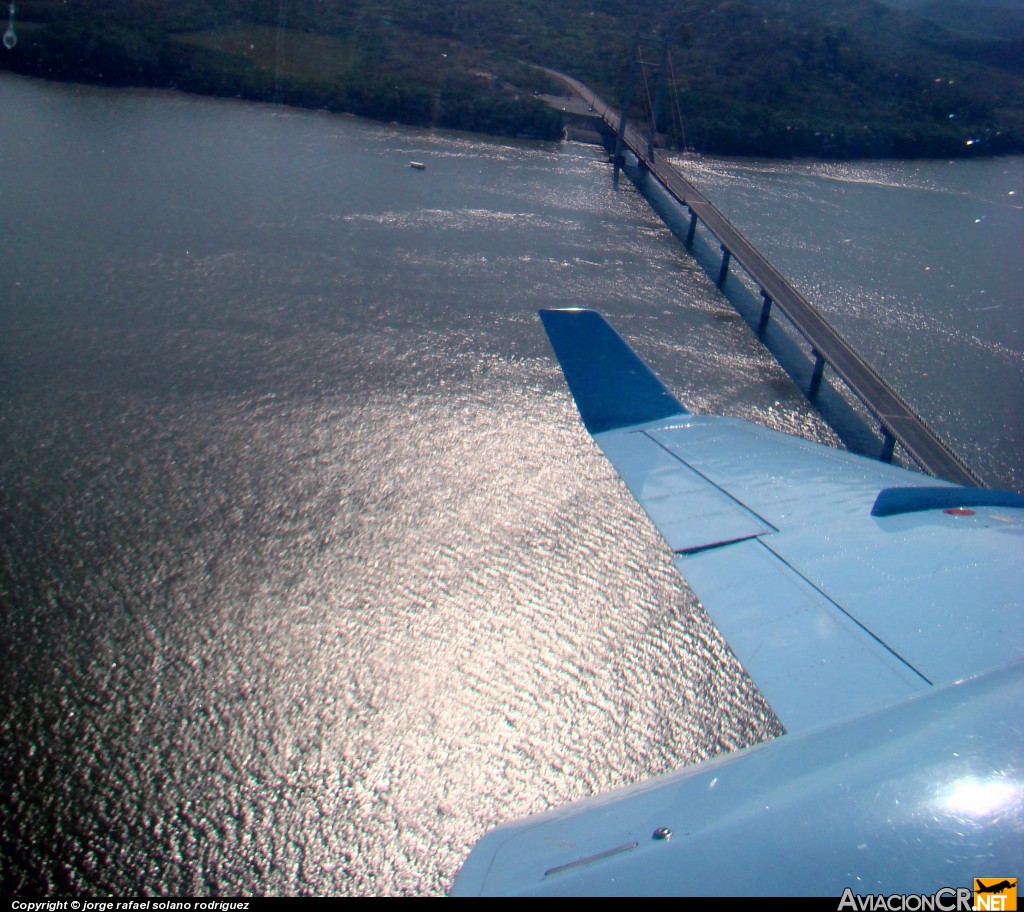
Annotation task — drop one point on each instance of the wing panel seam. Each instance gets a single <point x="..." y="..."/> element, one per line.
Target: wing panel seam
<point x="715" y="485"/>
<point x="846" y="613"/>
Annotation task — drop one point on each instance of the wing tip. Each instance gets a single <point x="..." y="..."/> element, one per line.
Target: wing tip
<point x="613" y="388"/>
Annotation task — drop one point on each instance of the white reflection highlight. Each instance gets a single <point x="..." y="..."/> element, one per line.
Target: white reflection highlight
<point x="981" y="798"/>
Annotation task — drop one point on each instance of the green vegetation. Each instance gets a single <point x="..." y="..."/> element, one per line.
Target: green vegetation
<point x="835" y="78"/>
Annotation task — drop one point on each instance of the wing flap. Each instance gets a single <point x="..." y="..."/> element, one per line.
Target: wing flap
<point x="813" y="662"/>
<point x="940" y="590"/>
<point x="690" y="513"/>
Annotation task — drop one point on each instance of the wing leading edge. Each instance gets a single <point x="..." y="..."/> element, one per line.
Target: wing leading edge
<point x="833" y="610"/>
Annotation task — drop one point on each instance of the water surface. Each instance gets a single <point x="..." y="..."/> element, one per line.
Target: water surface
<point x="310" y="574"/>
<point x="918" y="264"/>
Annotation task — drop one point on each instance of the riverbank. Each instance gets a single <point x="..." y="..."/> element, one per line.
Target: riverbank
<point x="457" y="90"/>
<point x="800" y="80"/>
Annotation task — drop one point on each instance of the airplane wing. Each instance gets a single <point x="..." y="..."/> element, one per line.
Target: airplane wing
<point x="841" y="583"/>
<point x="878" y="610"/>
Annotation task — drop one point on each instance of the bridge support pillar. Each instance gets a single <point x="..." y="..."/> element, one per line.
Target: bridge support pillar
<point x="724" y="271"/>
<point x="643" y="173"/>
<point x="693" y="228"/>
<point x="766" y="310"/>
<point x="888" y="445"/>
<point x="816" y="374"/>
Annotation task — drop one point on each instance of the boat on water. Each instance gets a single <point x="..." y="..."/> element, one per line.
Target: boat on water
<point x="419" y="166"/>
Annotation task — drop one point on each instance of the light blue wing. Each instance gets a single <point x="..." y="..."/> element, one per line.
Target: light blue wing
<point x="841" y="583"/>
<point x="886" y="633"/>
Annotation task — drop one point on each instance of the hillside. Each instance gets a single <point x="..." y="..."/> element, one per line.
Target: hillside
<point x="989" y="20"/>
<point x="835" y="78"/>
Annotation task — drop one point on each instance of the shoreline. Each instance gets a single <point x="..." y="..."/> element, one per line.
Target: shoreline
<point x="576" y="134"/>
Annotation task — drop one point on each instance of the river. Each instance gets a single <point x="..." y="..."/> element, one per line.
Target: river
<point x="310" y="574"/>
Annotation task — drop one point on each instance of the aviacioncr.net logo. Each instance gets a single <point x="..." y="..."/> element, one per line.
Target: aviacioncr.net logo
<point x="948" y="899"/>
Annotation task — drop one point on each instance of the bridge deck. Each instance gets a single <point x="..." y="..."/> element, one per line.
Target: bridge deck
<point x="895" y="416"/>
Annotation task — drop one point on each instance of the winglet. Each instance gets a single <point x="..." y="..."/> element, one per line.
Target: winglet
<point x="612" y="387"/>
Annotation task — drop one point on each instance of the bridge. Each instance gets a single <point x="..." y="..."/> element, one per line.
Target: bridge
<point x="897" y="420"/>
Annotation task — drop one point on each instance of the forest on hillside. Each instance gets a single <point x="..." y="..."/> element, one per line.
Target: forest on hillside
<point x="829" y="78"/>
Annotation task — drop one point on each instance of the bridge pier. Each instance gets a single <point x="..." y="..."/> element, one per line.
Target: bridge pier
<point x="888" y="445"/>
<point x="693" y="228"/>
<point x="766" y="310"/>
<point x="643" y="173"/>
<point x="724" y="271"/>
<point x="816" y="374"/>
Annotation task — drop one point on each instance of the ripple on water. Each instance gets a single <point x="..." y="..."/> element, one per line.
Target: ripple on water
<point x="310" y="573"/>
